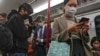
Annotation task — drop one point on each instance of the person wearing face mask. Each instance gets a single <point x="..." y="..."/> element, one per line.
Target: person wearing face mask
<point x="40" y="37"/>
<point x="20" y="32"/>
<point x="71" y="32"/>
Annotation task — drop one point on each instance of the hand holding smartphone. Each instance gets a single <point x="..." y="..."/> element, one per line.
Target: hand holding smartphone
<point x="83" y="20"/>
<point x="80" y="24"/>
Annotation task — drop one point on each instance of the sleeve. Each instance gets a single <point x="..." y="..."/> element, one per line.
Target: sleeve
<point x="18" y="28"/>
<point x="62" y="35"/>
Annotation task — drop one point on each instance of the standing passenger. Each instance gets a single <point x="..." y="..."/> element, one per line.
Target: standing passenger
<point x="3" y="20"/>
<point x="40" y="37"/>
<point x="20" y="32"/>
<point x="67" y="29"/>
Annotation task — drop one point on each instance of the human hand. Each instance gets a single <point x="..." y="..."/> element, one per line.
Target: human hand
<point x="38" y="40"/>
<point x="74" y="27"/>
<point x="85" y="28"/>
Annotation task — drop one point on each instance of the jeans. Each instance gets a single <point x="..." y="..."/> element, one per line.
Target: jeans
<point x="19" y="54"/>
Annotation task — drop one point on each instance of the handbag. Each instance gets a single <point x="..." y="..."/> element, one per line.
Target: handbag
<point x="30" y="49"/>
<point x="58" y="48"/>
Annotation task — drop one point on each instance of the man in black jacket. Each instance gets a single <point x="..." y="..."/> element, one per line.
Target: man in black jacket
<point x="20" y="33"/>
<point x="6" y="39"/>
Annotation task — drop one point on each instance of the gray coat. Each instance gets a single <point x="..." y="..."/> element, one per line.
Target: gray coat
<point x="60" y="28"/>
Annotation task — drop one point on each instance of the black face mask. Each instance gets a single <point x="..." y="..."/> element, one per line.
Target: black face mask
<point x="25" y="16"/>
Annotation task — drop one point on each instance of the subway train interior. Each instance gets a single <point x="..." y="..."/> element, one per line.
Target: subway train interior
<point x="51" y="10"/>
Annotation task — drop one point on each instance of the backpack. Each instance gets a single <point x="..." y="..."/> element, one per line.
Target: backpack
<point x="6" y="41"/>
<point x="6" y="38"/>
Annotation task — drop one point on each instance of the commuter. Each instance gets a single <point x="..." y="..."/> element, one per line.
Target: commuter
<point x="69" y="31"/>
<point x="6" y="38"/>
<point x="29" y="27"/>
<point x="95" y="43"/>
<point x="3" y="20"/>
<point x="40" y="37"/>
<point x="20" y="32"/>
<point x="31" y="39"/>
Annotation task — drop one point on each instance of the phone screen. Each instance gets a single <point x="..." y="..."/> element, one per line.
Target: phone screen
<point x="84" y="20"/>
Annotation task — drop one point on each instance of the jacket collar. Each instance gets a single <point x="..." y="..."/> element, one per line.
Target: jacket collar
<point x="68" y="17"/>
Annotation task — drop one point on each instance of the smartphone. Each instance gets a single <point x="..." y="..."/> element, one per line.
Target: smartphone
<point x="80" y="24"/>
<point x="84" y="19"/>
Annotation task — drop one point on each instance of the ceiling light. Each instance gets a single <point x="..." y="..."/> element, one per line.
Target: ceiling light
<point x="45" y="6"/>
<point x="0" y="0"/>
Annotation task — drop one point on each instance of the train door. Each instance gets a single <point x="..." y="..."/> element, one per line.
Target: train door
<point x="97" y="25"/>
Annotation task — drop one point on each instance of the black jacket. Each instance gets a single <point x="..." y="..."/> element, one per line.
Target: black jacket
<point x="20" y="33"/>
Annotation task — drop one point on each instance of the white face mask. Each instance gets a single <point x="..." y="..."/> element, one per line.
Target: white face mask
<point x="70" y="11"/>
<point x="41" y="24"/>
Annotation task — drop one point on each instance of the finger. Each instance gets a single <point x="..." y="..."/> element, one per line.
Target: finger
<point x="80" y="24"/>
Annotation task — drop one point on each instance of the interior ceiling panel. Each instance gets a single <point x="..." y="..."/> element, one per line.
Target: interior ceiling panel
<point x="38" y="3"/>
<point x="7" y="5"/>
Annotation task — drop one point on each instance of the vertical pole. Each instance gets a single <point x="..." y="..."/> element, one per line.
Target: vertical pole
<point x="48" y="26"/>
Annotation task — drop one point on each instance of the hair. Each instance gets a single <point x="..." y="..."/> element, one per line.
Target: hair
<point x="94" y="39"/>
<point x="4" y="15"/>
<point x="26" y="7"/>
<point x="65" y="1"/>
<point x="40" y="17"/>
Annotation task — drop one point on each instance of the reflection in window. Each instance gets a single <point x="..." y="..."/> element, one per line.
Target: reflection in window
<point x="84" y="1"/>
<point x="97" y="25"/>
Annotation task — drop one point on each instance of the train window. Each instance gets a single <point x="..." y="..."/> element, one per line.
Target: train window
<point x="84" y="1"/>
<point x="97" y="25"/>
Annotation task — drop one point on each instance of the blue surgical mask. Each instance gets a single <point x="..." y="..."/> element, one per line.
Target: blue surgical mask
<point x="2" y="22"/>
<point x="41" y="24"/>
